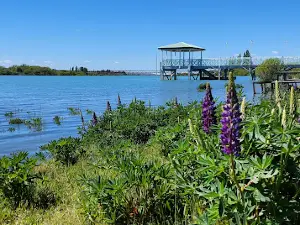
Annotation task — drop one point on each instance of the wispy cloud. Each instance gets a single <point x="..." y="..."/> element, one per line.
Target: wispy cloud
<point x="77" y="30"/>
<point x="32" y="60"/>
<point x="7" y="61"/>
<point x="275" y="52"/>
<point x="116" y="62"/>
<point x="48" y="62"/>
<point x="87" y="61"/>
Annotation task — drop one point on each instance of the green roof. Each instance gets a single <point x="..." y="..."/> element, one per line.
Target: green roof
<point x="181" y="46"/>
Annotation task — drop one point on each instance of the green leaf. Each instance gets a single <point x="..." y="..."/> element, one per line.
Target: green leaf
<point x="259" y="197"/>
<point x="221" y="207"/>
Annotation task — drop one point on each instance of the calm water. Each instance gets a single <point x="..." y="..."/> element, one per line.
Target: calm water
<point x="46" y="97"/>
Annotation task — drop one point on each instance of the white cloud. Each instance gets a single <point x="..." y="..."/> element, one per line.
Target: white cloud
<point x="32" y="60"/>
<point x="275" y="52"/>
<point x="48" y="62"/>
<point x="116" y="62"/>
<point x="7" y="61"/>
<point x="77" y="30"/>
<point x="87" y="61"/>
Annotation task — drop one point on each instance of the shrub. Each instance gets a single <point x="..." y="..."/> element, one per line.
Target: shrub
<point x="44" y="198"/>
<point x="16" y="121"/>
<point x="17" y="179"/>
<point x="142" y="193"/>
<point x="201" y="87"/>
<point x="268" y="70"/>
<point x="65" y="150"/>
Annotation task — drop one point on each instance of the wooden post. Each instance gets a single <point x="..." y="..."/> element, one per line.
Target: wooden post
<point x="253" y="85"/>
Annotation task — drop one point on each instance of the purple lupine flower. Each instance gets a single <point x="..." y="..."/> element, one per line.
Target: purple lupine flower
<point x="231" y="118"/>
<point x="108" y="107"/>
<point x="94" y="119"/>
<point x="208" y="110"/>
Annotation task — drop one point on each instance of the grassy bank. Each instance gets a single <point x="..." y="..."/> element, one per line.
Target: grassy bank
<point x="144" y="165"/>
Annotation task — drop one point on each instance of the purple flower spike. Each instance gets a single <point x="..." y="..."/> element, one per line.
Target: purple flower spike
<point x="94" y="120"/>
<point x="231" y="119"/>
<point x="208" y="110"/>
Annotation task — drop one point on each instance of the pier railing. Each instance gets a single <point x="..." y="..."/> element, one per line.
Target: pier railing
<point x="233" y="61"/>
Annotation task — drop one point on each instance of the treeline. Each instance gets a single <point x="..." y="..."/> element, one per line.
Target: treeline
<point x="40" y="71"/>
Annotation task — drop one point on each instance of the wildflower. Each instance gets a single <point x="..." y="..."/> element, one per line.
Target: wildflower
<point x="208" y="110"/>
<point x="191" y="126"/>
<point x="230" y="121"/>
<point x="119" y="100"/>
<point x="283" y="118"/>
<point x="243" y="108"/>
<point x="277" y="95"/>
<point x="292" y="102"/>
<point x="94" y="119"/>
<point x="108" y="107"/>
<point x="272" y="112"/>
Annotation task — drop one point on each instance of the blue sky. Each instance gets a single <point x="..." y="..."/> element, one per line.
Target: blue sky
<point x="123" y="34"/>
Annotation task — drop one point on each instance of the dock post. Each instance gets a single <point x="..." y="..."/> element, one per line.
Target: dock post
<point x="189" y="72"/>
<point x="253" y="85"/>
<point x="162" y="76"/>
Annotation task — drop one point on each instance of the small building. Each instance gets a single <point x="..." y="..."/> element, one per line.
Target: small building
<point x="177" y="56"/>
<point x="180" y="56"/>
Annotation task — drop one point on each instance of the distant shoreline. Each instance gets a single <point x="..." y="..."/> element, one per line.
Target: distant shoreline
<point x="84" y="75"/>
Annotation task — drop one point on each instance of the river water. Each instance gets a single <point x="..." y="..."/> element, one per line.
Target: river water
<point x="48" y="96"/>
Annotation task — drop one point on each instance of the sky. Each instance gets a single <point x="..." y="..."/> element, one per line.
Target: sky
<point x="125" y="34"/>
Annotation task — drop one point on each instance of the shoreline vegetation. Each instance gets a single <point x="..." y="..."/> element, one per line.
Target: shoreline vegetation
<point x="26" y="70"/>
<point x="203" y="163"/>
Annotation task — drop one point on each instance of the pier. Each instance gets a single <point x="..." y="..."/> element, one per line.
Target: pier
<point x="180" y="57"/>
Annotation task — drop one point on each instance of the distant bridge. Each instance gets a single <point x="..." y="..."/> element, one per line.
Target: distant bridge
<point x="141" y="72"/>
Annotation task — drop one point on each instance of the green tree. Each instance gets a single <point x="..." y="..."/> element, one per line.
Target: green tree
<point x="247" y="53"/>
<point x="269" y="69"/>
